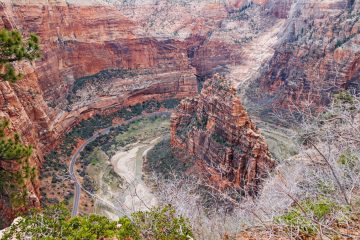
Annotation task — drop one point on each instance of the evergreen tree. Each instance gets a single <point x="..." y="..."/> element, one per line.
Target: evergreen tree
<point x="11" y="148"/>
<point x="14" y="48"/>
<point x="13" y="184"/>
<point x="15" y="169"/>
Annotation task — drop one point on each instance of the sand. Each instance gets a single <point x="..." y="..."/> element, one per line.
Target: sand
<point x="128" y="165"/>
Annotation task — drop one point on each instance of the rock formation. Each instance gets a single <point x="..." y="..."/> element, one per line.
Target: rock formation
<point x="99" y="55"/>
<point x="22" y="105"/>
<point x="216" y="130"/>
<point x="319" y="54"/>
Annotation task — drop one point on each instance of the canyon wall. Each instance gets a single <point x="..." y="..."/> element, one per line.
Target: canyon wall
<point x="154" y="52"/>
<point x="102" y="54"/>
<point x="216" y="130"/>
<point x="319" y="54"/>
<point x="97" y="56"/>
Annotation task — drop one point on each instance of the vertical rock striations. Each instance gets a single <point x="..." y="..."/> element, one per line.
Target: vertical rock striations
<point x="216" y="130"/>
<point x="23" y="107"/>
<point x="319" y="54"/>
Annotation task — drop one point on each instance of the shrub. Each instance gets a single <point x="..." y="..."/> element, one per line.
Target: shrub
<point x="170" y="103"/>
<point x="304" y="217"/>
<point x="104" y="75"/>
<point x="162" y="224"/>
<point x="162" y="160"/>
<point x="56" y="223"/>
<point x="343" y="97"/>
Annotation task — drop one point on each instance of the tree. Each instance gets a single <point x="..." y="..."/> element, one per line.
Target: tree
<point x="11" y="148"/>
<point x="15" y="169"/>
<point x="14" y="48"/>
<point x="14" y="152"/>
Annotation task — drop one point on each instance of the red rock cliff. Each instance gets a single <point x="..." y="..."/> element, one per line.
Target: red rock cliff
<point x="318" y="55"/>
<point x="215" y="129"/>
<point x="162" y="50"/>
<point x="82" y="38"/>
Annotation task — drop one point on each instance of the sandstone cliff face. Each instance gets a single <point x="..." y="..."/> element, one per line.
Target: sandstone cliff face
<point x="216" y="129"/>
<point x="83" y="38"/>
<point x="23" y="105"/>
<point x="318" y="55"/>
<point x="150" y="51"/>
<point x="162" y="51"/>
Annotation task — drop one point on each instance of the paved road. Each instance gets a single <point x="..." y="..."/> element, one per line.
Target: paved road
<point x="76" y="155"/>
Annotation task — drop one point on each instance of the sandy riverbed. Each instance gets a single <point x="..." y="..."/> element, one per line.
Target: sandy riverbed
<point x="128" y="165"/>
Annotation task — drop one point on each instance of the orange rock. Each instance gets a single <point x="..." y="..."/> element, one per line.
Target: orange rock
<point x="215" y="129"/>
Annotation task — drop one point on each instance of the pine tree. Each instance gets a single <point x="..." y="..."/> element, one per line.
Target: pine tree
<point x="12" y="184"/>
<point x="14" y="48"/>
<point x="11" y="148"/>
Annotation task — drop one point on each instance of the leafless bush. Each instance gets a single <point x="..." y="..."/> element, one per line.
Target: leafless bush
<point x="183" y="194"/>
<point x="327" y="167"/>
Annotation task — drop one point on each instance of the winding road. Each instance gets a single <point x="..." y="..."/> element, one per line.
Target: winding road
<point x="75" y="156"/>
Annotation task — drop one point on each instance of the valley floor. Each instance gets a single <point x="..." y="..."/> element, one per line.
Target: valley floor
<point x="118" y="175"/>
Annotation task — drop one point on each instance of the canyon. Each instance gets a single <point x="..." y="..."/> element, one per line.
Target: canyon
<point x="98" y="56"/>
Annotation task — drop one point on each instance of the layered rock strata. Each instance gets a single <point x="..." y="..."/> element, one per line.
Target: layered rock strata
<point x="319" y="54"/>
<point x="216" y="130"/>
<point x="150" y="51"/>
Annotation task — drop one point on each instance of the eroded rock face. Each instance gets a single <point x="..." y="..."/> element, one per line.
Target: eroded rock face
<point x="23" y="106"/>
<point x="163" y="52"/>
<point x="319" y="55"/>
<point x="216" y="130"/>
<point x="156" y="53"/>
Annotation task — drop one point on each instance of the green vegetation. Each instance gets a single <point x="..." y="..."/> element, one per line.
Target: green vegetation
<point x="55" y="223"/>
<point x="196" y="121"/>
<point x="183" y="129"/>
<point x="11" y="148"/>
<point x="13" y="48"/>
<point x="15" y="154"/>
<point x="307" y="216"/>
<point x="162" y="160"/>
<point x="162" y="224"/>
<point x="241" y="13"/>
<point x="341" y="42"/>
<point x="243" y="40"/>
<point x="112" y="179"/>
<point x="170" y="103"/>
<point x="343" y="97"/>
<point x="139" y="130"/>
<point x="123" y="135"/>
<point x="101" y="76"/>
<point x="348" y="159"/>
<point x="200" y="82"/>
<point x="202" y="122"/>
<point x="87" y="128"/>
<point x="220" y="139"/>
<point x="186" y="126"/>
<point x="54" y="162"/>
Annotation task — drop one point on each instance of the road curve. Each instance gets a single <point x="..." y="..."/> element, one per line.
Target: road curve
<point x="75" y="156"/>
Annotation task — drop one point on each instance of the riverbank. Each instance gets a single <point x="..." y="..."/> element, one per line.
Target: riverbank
<point x="116" y="168"/>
